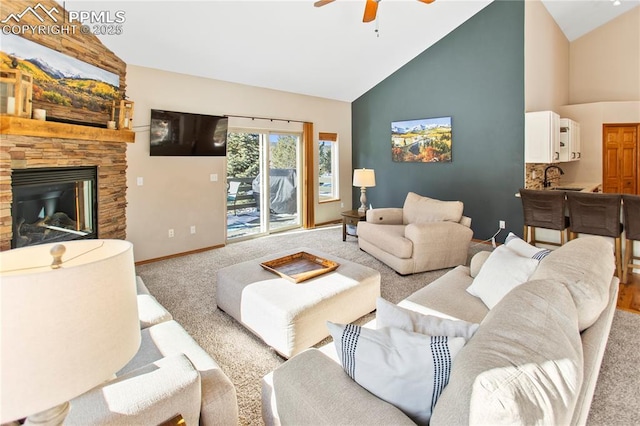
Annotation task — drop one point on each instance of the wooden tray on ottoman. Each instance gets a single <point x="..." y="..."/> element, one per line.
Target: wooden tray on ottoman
<point x="299" y="266"/>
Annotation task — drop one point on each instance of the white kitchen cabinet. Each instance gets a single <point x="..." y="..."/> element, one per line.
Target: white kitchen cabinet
<point x="542" y="137"/>
<point x="569" y="140"/>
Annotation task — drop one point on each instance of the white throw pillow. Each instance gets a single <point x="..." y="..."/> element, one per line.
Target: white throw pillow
<point x="408" y="370"/>
<point x="503" y="271"/>
<point x="391" y="315"/>
<point x="525" y="249"/>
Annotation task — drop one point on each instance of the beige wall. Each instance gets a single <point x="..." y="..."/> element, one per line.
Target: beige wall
<point x="576" y="81"/>
<point x="591" y="117"/>
<point x="601" y="92"/>
<point x="177" y="192"/>
<point x="605" y="63"/>
<point x="546" y="60"/>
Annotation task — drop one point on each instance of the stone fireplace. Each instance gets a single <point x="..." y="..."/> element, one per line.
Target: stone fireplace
<point x="29" y="144"/>
<point x="34" y="144"/>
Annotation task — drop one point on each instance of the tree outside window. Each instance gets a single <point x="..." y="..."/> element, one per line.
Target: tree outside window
<point x="327" y="167"/>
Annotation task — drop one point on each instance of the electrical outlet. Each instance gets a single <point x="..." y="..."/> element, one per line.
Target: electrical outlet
<point x="213" y="177"/>
<point x="193" y="229"/>
<point x="341" y="205"/>
<point x="502" y="224"/>
<point x="171" y="233"/>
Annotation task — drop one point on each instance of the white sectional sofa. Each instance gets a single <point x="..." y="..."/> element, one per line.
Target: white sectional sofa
<point x="170" y="375"/>
<point x="534" y="359"/>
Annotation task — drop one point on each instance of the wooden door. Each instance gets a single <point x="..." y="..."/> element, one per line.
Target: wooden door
<point x="620" y="158"/>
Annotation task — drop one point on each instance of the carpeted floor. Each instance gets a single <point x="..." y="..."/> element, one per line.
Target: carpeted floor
<point x="186" y="287"/>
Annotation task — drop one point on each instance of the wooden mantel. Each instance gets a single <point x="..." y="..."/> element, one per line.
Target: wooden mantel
<point x="10" y="125"/>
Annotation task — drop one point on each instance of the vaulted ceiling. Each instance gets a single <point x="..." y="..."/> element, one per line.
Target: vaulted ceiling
<point x="292" y="46"/>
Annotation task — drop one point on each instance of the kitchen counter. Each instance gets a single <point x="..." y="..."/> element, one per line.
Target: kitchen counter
<point x="574" y="186"/>
<point x="582" y="186"/>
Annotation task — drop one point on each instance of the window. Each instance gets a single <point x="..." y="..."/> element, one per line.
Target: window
<point x="328" y="167"/>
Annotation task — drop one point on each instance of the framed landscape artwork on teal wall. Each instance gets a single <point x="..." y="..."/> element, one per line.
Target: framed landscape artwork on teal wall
<point x="425" y="140"/>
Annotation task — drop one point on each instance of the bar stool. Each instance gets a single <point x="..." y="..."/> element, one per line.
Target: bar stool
<point x="543" y="209"/>
<point x="596" y="214"/>
<point x="631" y="209"/>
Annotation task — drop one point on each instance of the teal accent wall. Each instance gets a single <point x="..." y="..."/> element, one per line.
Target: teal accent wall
<point x="475" y="75"/>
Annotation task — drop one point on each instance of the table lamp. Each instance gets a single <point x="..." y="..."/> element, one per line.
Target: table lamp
<point x="69" y="323"/>
<point x="363" y="178"/>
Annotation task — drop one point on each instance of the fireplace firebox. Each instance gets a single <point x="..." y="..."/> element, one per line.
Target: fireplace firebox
<point x="53" y="204"/>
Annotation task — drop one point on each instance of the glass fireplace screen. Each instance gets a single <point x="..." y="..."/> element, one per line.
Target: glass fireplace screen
<point x="53" y="204"/>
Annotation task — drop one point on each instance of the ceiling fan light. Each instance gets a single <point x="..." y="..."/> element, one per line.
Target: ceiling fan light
<point x="616" y="2"/>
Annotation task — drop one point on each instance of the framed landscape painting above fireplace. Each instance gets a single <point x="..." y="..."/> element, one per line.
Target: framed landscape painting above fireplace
<point x="426" y="140"/>
<point x="69" y="89"/>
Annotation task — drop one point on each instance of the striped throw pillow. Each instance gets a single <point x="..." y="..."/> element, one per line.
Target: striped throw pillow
<point x="406" y="369"/>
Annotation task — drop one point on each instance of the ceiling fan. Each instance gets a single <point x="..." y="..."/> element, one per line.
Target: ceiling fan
<point x="370" y="8"/>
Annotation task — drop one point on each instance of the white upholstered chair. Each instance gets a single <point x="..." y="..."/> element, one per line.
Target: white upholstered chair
<point x="424" y="235"/>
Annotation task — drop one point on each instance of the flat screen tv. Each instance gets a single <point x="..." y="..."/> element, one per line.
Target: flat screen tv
<point x="187" y="134"/>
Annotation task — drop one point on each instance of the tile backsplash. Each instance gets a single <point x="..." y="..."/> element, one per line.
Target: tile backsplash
<point x="537" y="169"/>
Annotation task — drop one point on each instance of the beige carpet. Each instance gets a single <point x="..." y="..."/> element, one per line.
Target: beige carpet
<point x="186" y="287"/>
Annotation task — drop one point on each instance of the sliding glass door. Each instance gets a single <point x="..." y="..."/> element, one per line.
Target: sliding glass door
<point x="263" y="183"/>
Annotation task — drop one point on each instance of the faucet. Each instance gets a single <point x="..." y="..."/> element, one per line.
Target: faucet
<point x="545" y="182"/>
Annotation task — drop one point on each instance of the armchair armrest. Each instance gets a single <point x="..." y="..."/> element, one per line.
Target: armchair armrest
<point x="466" y="221"/>
<point x="385" y="216"/>
<point x="148" y="395"/>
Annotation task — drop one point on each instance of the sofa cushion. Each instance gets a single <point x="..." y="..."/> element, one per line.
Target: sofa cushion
<point x="151" y="312"/>
<point x="585" y="266"/>
<point x="503" y="271"/>
<point x="419" y="209"/>
<point x="447" y="297"/>
<point x="141" y="288"/>
<point x="391" y="315"/>
<point x="406" y="369"/>
<point x="325" y="396"/>
<point x="523" y="365"/>
<point x="389" y="238"/>
<point x="148" y="395"/>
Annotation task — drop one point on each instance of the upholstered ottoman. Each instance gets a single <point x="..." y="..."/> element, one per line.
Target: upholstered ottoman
<point x="291" y="317"/>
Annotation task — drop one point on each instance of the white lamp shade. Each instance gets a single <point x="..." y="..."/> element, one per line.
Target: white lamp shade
<point x="64" y="330"/>
<point x="364" y="178"/>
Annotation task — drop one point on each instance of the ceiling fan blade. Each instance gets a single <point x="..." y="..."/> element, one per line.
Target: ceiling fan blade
<point x="427" y="1"/>
<point x="370" y="10"/>
<point x="320" y="3"/>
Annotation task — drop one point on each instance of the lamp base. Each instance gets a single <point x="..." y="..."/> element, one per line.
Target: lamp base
<point x="52" y="417"/>
<point x="363" y="200"/>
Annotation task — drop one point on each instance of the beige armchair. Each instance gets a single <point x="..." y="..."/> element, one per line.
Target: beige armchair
<point x="424" y="235"/>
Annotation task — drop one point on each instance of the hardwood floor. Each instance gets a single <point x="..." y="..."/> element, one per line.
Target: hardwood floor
<point x="629" y="295"/>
